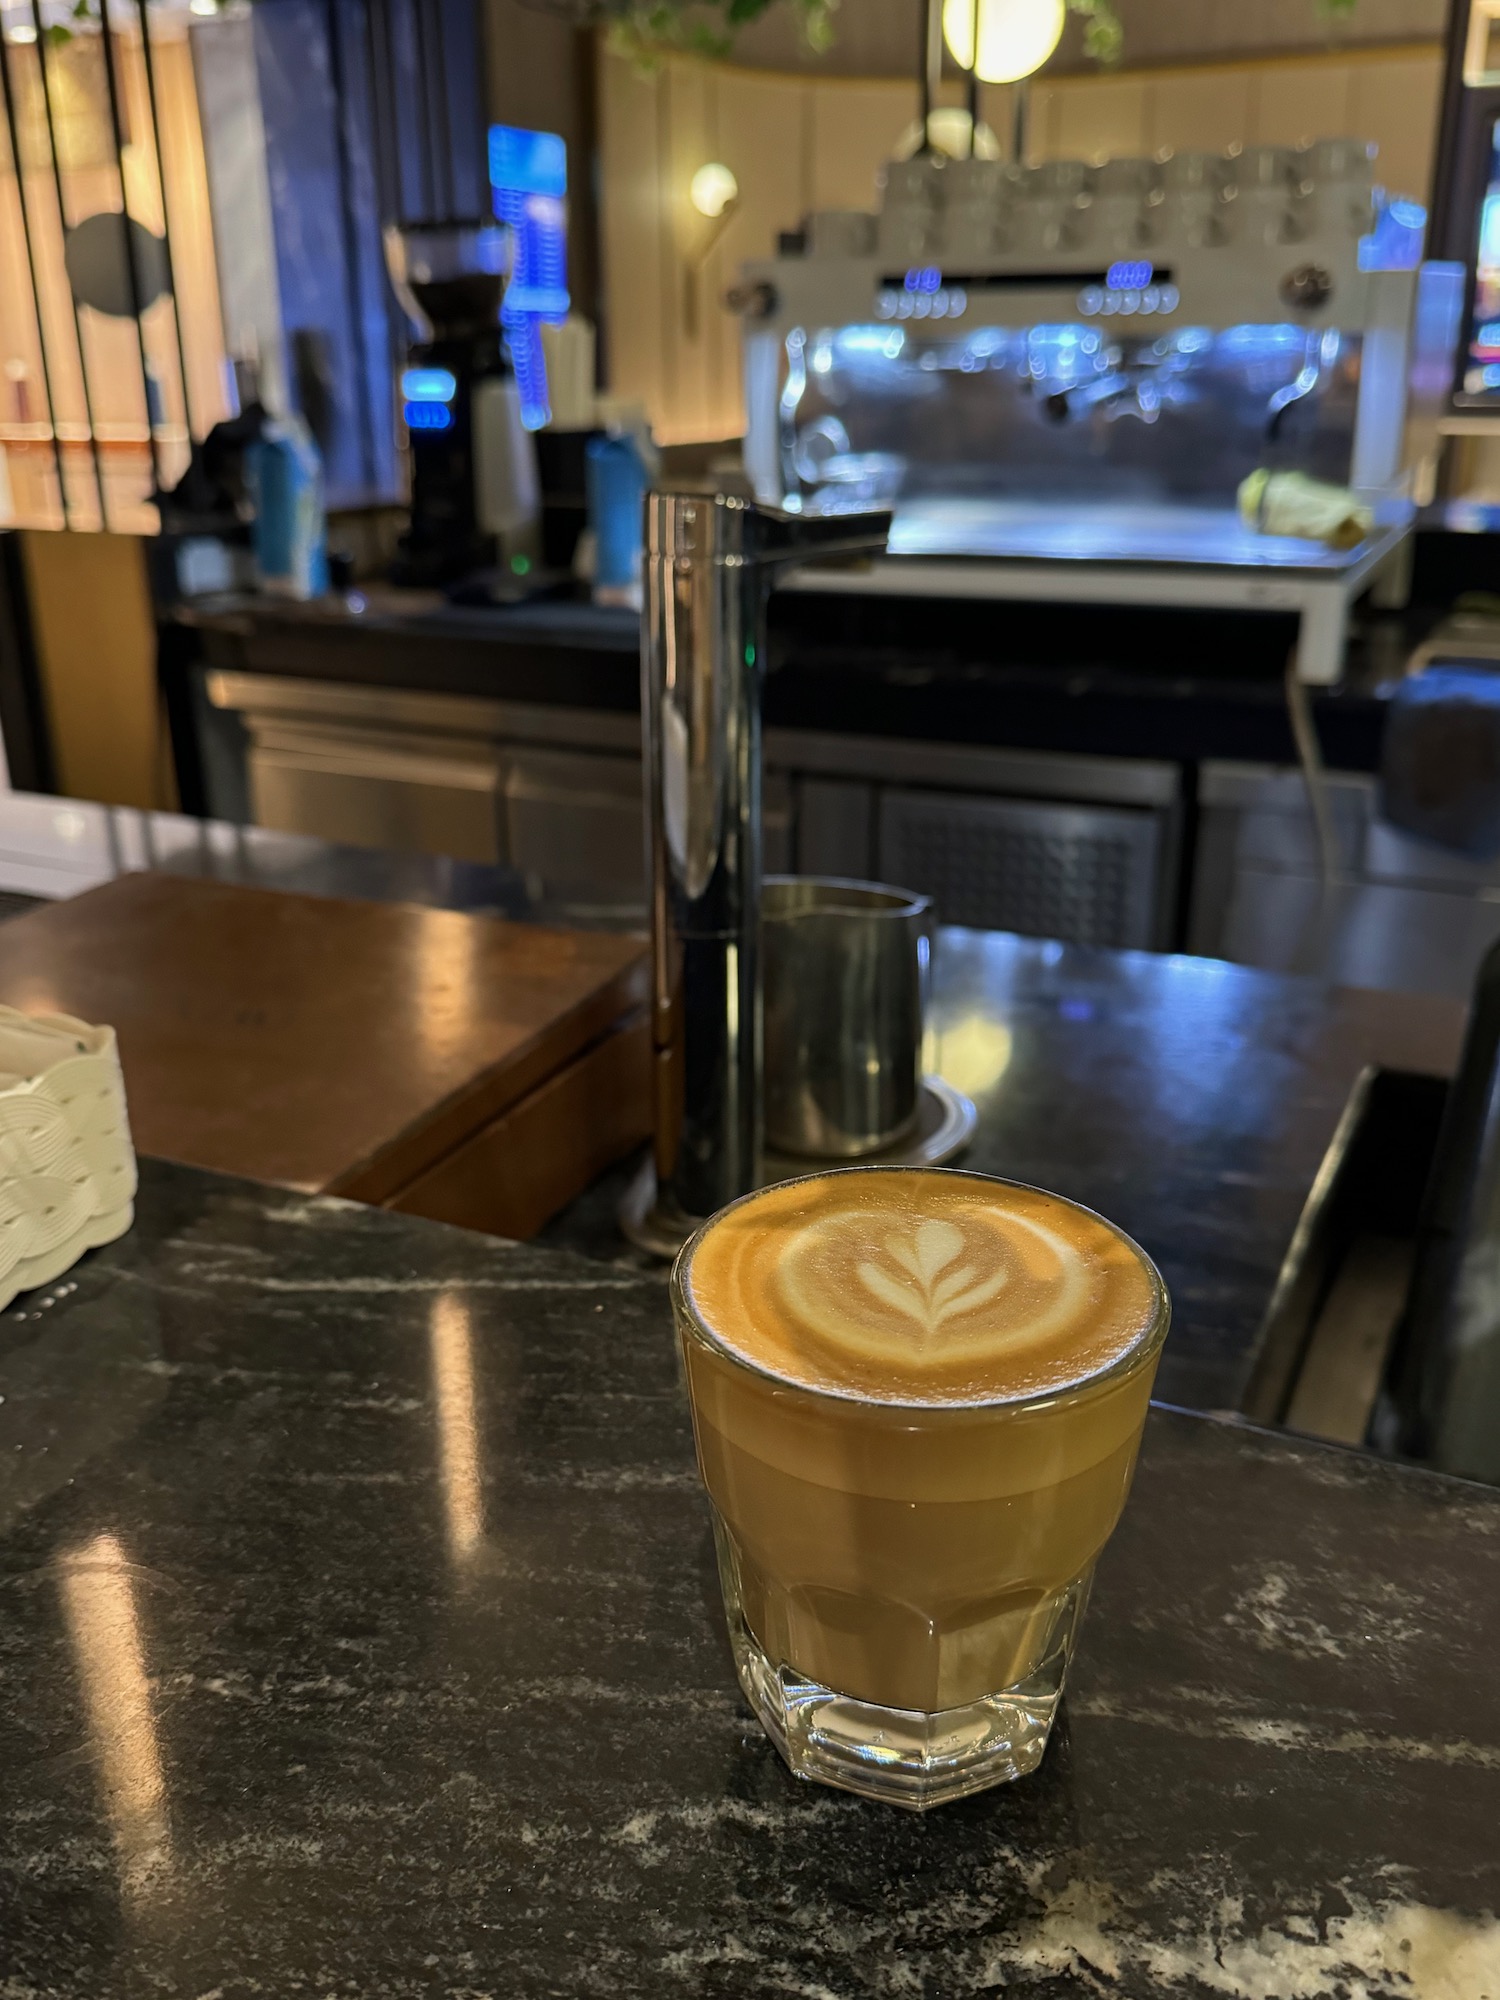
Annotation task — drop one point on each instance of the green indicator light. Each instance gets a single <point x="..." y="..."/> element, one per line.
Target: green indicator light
<point x="749" y="656"/>
<point x="521" y="565"/>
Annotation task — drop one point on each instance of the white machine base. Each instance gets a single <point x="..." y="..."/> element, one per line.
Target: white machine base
<point x="1201" y="558"/>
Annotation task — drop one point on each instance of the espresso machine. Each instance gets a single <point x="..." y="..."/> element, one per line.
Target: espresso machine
<point x="475" y="496"/>
<point x="1059" y="376"/>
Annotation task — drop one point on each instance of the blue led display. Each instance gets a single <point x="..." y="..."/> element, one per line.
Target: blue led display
<point x="428" y="385"/>
<point x="1395" y="243"/>
<point x="925" y="280"/>
<point x="528" y="162"/>
<point x="428" y="417"/>
<point x="529" y="175"/>
<point x="1129" y="277"/>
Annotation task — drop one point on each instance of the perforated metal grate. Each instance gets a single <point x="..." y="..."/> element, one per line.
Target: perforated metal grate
<point x="1084" y="874"/>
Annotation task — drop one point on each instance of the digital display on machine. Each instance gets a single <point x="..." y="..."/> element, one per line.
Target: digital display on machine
<point x="1129" y="277"/>
<point x="1480" y="379"/>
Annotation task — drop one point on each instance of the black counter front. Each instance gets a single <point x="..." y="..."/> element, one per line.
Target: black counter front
<point x="1166" y="684"/>
<point x="359" y="1636"/>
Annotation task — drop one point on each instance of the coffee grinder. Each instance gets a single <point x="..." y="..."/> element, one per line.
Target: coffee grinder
<point x="475" y="499"/>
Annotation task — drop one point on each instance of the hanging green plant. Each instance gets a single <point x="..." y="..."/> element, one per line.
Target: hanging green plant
<point x="646" y="29"/>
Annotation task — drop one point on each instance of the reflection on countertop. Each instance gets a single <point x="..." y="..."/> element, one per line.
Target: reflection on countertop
<point x="359" y="1633"/>
<point x="59" y="847"/>
<point x="1188" y="1099"/>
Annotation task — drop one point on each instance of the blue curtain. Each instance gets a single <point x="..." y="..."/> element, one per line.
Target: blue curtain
<point x="372" y="113"/>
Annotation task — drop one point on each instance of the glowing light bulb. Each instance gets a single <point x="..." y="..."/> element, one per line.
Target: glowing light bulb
<point x="1015" y="36"/>
<point x="713" y="188"/>
<point x="24" y="34"/>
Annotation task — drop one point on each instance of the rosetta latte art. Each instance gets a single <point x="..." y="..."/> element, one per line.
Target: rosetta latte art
<point x="932" y="1292"/>
<point x="937" y="1287"/>
<point x="947" y="1288"/>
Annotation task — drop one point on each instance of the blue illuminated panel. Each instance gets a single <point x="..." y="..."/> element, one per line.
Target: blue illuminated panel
<point x="529" y="175"/>
<point x="1395" y="243"/>
<point x="428" y="417"/>
<point x="925" y="280"/>
<point x="1095" y="301"/>
<point x="1129" y="277"/>
<point x="429" y="385"/>
<point x="1479" y="369"/>
<point x="528" y="162"/>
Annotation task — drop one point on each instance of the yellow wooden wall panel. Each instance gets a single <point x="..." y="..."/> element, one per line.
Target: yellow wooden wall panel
<point x="90" y="183"/>
<point x="765" y="132"/>
<point x="689" y="137"/>
<point x="1200" y="111"/>
<point x="631" y="233"/>
<point x="1042" y="115"/>
<point x="96" y="648"/>
<point x="1301" y="101"/>
<point x="1397" y="104"/>
<point x="186" y="177"/>
<point x="1101" y="120"/>
<point x="855" y="127"/>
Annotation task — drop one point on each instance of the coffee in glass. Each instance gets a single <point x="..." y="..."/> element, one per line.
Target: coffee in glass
<point x="917" y="1397"/>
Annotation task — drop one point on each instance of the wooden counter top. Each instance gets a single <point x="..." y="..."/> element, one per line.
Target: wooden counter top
<point x="342" y="1047"/>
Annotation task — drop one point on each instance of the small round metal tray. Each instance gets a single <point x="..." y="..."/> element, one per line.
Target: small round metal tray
<point x="945" y="1124"/>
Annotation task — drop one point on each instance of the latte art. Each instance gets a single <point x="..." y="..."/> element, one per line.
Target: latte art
<point x="989" y="1289"/>
<point x="937" y="1289"/>
<point x="937" y="1293"/>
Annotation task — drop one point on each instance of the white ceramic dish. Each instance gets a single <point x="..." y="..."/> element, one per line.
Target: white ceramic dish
<point x="67" y="1166"/>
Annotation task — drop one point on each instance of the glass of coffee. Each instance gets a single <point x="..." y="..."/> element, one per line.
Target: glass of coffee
<point x="917" y="1397"/>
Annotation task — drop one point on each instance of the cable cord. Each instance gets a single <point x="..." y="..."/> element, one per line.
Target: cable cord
<point x="1315" y="783"/>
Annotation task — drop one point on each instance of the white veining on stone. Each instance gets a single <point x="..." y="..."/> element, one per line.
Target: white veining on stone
<point x="1278" y="1732"/>
<point x="1378" y="1951"/>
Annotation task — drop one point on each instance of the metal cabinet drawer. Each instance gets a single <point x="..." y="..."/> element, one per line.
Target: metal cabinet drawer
<point x="1089" y="874"/>
<point x="438" y="797"/>
<point x="573" y="825"/>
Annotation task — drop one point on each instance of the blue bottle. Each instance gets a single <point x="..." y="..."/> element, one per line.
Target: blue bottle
<point x="284" y="474"/>
<point x="616" y="477"/>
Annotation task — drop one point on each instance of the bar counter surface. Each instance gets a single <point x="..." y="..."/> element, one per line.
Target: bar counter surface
<point x="359" y="1636"/>
<point x="1190" y="1100"/>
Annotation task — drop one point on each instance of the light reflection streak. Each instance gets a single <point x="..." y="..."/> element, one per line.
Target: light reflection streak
<point x="972" y="1053"/>
<point x="454" y="1393"/>
<point x="99" y="1607"/>
<point x="444" y="993"/>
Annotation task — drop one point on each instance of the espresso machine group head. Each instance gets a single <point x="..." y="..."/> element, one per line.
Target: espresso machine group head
<point x="475" y="502"/>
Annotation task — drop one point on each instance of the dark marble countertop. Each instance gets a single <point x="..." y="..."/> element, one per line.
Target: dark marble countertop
<point x="1188" y="1099"/>
<point x="359" y="1637"/>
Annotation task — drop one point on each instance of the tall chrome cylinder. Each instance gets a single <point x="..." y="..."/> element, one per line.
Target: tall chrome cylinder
<point x="709" y="560"/>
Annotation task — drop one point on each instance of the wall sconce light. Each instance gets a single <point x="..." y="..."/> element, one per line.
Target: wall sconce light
<point x="1002" y="41"/>
<point x="713" y="189"/>
<point x="714" y="194"/>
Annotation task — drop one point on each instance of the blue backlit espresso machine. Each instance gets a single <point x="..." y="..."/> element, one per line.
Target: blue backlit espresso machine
<point x="1060" y="375"/>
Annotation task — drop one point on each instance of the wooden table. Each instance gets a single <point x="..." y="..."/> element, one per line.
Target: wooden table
<point x="457" y="1067"/>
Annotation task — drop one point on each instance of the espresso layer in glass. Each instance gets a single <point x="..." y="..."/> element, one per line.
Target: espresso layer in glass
<point x="917" y="1399"/>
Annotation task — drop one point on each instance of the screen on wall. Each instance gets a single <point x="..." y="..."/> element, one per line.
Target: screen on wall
<point x="1479" y="379"/>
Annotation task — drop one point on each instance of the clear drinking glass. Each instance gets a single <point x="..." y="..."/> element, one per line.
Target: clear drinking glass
<point x="903" y="1581"/>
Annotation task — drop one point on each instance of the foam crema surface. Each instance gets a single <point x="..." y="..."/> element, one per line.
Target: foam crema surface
<point x="918" y="1286"/>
